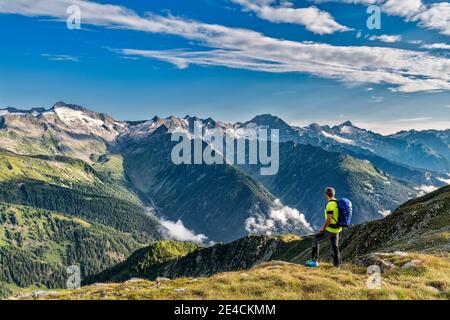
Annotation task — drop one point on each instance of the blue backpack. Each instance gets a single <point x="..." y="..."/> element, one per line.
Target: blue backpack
<point x="345" y="213"/>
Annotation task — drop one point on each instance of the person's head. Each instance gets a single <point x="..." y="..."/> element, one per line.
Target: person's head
<point x="329" y="193"/>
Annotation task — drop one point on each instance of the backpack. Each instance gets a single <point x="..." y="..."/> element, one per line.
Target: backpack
<point x="345" y="213"/>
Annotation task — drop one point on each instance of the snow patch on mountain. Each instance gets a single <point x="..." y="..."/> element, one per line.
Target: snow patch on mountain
<point x="4" y="112"/>
<point x="338" y="138"/>
<point x="346" y="130"/>
<point x="73" y="117"/>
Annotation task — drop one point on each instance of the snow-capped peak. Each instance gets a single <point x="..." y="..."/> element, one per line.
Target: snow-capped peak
<point x="73" y="117"/>
<point x="80" y="120"/>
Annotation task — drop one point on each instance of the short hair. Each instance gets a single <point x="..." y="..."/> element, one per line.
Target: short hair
<point x="330" y="192"/>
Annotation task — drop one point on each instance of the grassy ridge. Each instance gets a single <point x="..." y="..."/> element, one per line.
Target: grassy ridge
<point x="57" y="211"/>
<point x="281" y="280"/>
<point x="145" y="262"/>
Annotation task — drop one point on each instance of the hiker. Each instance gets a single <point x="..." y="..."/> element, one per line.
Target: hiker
<point x="329" y="230"/>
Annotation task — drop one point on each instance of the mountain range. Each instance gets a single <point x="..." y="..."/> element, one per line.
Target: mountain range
<point x="68" y="174"/>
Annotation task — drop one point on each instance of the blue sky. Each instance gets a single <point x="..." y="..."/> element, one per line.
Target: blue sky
<point x="305" y="61"/>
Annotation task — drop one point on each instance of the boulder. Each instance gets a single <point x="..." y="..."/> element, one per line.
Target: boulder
<point x="159" y="279"/>
<point x="412" y="264"/>
<point x="376" y="259"/>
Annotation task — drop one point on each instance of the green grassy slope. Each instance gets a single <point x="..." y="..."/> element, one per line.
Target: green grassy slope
<point x="277" y="280"/>
<point x="73" y="187"/>
<point x="36" y="246"/>
<point x="57" y="211"/>
<point x="144" y="262"/>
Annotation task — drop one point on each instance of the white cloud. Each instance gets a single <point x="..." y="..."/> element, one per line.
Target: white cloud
<point x="385" y="213"/>
<point x="60" y="57"/>
<point x="442" y="46"/>
<point x="447" y="181"/>
<point x="419" y="119"/>
<point x="435" y="16"/>
<point x="362" y="2"/>
<point x="376" y="99"/>
<point x="392" y="126"/>
<point x="386" y="38"/>
<point x="428" y="15"/>
<point x="402" y="8"/>
<point x="314" y="19"/>
<point x="281" y="218"/>
<point x="404" y="70"/>
<point x="431" y="16"/>
<point x="177" y="231"/>
<point x="423" y="190"/>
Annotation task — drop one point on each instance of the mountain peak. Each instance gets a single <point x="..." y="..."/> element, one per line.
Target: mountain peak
<point x="15" y="110"/>
<point x="267" y="120"/>
<point x="347" y="123"/>
<point x="59" y="104"/>
<point x="265" y="117"/>
<point x="314" y="126"/>
<point x="62" y="104"/>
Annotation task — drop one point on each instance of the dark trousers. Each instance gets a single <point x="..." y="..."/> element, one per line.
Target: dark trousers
<point x="334" y="240"/>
